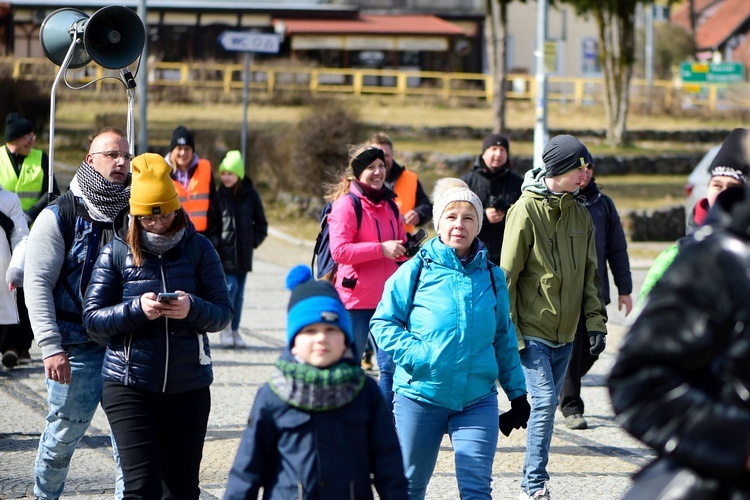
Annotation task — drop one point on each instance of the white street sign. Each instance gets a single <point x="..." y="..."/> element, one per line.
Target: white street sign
<point x="245" y="41"/>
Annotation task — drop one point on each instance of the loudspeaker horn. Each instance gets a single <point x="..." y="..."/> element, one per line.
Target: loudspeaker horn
<point x="113" y="37"/>
<point x="56" y="35"/>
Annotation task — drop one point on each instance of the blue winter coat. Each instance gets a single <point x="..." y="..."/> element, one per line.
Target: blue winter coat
<point x="161" y="355"/>
<point x="455" y="339"/>
<point x="318" y="455"/>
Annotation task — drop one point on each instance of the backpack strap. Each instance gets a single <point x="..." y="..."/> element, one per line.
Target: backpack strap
<point x="357" y="203"/>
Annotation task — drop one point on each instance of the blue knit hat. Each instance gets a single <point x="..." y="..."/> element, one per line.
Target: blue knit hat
<point x="314" y="302"/>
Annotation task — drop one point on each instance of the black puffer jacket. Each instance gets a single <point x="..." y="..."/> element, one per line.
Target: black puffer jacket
<point x="236" y="226"/>
<point x="161" y="355"/>
<point x="500" y="190"/>
<point x="681" y="383"/>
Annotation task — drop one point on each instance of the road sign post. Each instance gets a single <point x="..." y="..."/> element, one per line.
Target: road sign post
<point x="249" y="43"/>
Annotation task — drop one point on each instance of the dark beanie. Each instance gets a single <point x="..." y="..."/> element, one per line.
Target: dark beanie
<point x="314" y="302"/>
<point x="16" y="126"/>
<point x="495" y="140"/>
<point x="365" y="158"/>
<point x="181" y="137"/>
<point x="563" y="154"/>
<point x="733" y="158"/>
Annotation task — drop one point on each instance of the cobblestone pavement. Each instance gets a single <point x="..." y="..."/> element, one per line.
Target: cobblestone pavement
<point x="593" y="464"/>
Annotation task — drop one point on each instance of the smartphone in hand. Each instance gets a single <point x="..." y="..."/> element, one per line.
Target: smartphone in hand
<point x="167" y="297"/>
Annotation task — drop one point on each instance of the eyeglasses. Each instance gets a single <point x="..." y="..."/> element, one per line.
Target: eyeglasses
<point x="151" y="220"/>
<point x="115" y="155"/>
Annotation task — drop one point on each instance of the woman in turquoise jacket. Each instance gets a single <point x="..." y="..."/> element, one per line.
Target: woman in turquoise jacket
<point x="435" y="320"/>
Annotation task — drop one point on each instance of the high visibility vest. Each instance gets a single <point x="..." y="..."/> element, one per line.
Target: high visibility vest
<point x="29" y="185"/>
<point x="406" y="189"/>
<point x="194" y="199"/>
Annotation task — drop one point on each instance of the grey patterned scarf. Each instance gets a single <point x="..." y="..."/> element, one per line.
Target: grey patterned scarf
<point x="104" y="199"/>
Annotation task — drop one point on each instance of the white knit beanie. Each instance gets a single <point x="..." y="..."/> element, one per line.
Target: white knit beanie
<point x="450" y="189"/>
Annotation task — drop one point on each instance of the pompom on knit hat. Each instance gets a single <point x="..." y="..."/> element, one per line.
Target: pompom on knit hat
<point x="733" y="158"/>
<point x="181" y="137"/>
<point x="448" y="190"/>
<point x="152" y="191"/>
<point x="233" y="162"/>
<point x="495" y="140"/>
<point x="16" y="126"/>
<point x="564" y="153"/>
<point x="314" y="302"/>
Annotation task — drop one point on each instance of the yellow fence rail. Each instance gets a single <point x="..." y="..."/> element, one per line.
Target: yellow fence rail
<point x="228" y="78"/>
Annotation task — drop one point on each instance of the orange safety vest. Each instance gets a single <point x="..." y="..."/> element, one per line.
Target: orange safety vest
<point x="195" y="199"/>
<point x="406" y="189"/>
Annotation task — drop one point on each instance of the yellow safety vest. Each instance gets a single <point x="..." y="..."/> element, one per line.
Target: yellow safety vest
<point x="29" y="185"/>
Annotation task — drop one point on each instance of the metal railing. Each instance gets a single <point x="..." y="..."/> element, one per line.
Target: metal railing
<point x="228" y="78"/>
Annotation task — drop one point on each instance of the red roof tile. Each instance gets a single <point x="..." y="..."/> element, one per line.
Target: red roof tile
<point x="722" y="24"/>
<point x="375" y="25"/>
<point x="681" y="15"/>
<point x="742" y="52"/>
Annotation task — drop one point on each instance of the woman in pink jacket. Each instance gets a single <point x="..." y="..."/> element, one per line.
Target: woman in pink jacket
<point x="366" y="253"/>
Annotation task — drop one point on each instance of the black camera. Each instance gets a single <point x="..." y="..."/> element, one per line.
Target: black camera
<point x="414" y="242"/>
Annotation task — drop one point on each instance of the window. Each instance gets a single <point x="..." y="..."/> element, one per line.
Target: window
<point x="590" y="56"/>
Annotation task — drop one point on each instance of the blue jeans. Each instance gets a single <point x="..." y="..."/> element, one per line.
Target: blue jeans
<point x="361" y="327"/>
<point x="545" y="369"/>
<point x="387" y="368"/>
<point x="473" y="432"/>
<point x="236" y="286"/>
<point x="71" y="408"/>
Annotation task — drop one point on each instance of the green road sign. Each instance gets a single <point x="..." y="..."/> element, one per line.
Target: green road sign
<point x="699" y="72"/>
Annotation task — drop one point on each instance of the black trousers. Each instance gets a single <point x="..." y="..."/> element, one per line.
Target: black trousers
<point x="19" y="337"/>
<point x="581" y="362"/>
<point x="159" y="438"/>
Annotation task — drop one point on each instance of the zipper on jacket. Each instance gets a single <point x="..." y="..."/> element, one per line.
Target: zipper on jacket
<point x="554" y="260"/>
<point x="166" y="325"/>
<point x="128" y="346"/>
<point x="300" y="491"/>
<point x="573" y="253"/>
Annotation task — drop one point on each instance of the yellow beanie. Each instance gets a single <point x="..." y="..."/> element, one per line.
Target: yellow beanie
<point x="152" y="191"/>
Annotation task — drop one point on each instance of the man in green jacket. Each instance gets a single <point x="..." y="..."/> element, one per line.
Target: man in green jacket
<point x="549" y="260"/>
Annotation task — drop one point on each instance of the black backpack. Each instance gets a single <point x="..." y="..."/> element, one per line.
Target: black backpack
<point x="322" y="252"/>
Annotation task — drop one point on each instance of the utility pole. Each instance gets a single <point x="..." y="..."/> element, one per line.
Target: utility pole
<point x="541" y="134"/>
<point x="142" y="88"/>
<point x="649" y="59"/>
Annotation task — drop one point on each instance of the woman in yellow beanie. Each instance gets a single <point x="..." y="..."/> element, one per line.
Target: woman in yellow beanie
<point x="237" y="225"/>
<point x="157" y="367"/>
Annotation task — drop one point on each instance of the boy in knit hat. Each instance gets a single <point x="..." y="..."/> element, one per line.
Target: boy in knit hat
<point x="237" y="225"/>
<point x="497" y="187"/>
<point x="550" y="263"/>
<point x="319" y="428"/>
<point x="192" y="176"/>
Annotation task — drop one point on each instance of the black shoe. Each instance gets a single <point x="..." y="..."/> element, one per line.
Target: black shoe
<point x="10" y="358"/>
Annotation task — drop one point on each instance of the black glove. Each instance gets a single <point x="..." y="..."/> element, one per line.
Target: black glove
<point x="597" y="340"/>
<point x="516" y="417"/>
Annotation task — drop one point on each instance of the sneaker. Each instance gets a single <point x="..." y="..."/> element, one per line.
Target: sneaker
<point x="10" y="358"/>
<point x="576" y="422"/>
<point x="367" y="360"/>
<point x="24" y="358"/>
<point x="238" y="340"/>
<point x="226" y="337"/>
<point x="542" y="494"/>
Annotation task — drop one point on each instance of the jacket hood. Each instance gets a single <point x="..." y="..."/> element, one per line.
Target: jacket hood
<point x="438" y="252"/>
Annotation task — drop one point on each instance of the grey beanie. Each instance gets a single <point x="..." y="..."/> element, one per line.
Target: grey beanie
<point x="563" y="154"/>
